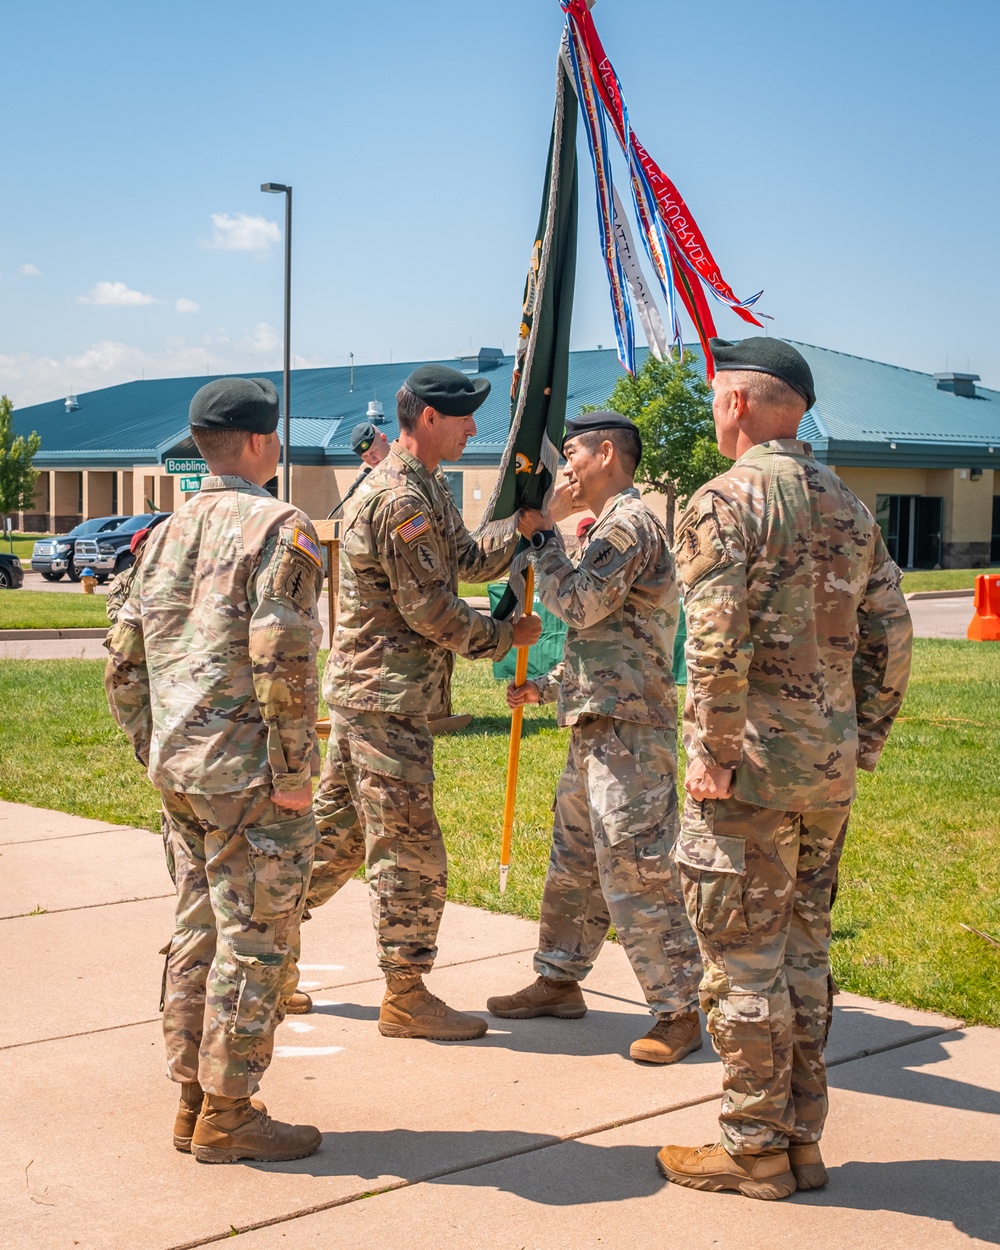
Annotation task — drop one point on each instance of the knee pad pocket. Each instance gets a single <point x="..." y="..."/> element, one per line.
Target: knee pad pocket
<point x="281" y="862"/>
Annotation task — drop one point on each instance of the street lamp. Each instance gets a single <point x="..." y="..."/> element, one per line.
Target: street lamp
<point x="279" y="188"/>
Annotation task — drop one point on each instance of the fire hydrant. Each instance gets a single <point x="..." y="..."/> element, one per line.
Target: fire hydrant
<point x="88" y="581"/>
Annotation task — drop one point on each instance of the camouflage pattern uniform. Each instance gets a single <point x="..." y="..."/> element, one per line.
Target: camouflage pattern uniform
<point x="212" y="674"/>
<point x="400" y="624"/>
<point x="798" y="656"/>
<point x="616" y="803"/>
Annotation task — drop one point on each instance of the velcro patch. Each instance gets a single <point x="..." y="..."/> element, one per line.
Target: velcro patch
<point x="619" y="537"/>
<point x="699" y="549"/>
<point x="604" y="554"/>
<point x="303" y="542"/>
<point x="427" y="558"/>
<point x="414" y="527"/>
<point x="293" y="580"/>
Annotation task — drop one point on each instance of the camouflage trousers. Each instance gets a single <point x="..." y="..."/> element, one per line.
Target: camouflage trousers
<point x="241" y="868"/>
<point x="375" y="806"/>
<point x="757" y="886"/>
<point x="612" y="863"/>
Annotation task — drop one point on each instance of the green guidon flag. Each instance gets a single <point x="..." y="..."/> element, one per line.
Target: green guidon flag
<point x="541" y="361"/>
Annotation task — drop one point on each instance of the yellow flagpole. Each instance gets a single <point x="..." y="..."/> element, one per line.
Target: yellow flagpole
<point x="514" y="751"/>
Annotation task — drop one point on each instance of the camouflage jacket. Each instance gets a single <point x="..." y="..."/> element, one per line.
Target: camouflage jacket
<point x="621" y="605"/>
<point x="798" y="647"/>
<point x="400" y="621"/>
<point x="212" y="668"/>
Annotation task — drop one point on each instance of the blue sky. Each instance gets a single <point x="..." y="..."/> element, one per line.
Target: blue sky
<point x="840" y="155"/>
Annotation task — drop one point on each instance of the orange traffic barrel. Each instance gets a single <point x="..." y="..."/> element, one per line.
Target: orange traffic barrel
<point x="985" y="624"/>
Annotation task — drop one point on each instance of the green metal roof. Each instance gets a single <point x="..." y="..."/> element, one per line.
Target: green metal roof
<point x="863" y="408"/>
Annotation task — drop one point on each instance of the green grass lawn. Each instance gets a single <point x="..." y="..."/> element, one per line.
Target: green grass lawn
<point x="923" y="853"/>
<point x="23" y="545"/>
<point x="940" y="579"/>
<point x="41" y="609"/>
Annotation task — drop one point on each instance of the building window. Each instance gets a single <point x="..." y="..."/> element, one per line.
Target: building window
<point x="456" y="484"/>
<point x="911" y="528"/>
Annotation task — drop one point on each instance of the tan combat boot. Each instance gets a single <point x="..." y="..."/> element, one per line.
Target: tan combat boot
<point x="544" y="997"/>
<point x="409" y="1009"/>
<point x="766" y="1176"/>
<point x="668" y="1041"/>
<point x="807" y="1165"/>
<point x="299" y="1004"/>
<point x="187" y="1114"/>
<point x="230" y="1129"/>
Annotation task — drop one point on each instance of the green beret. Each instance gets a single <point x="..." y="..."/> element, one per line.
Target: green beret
<point x="447" y="391"/>
<point x="766" y="355"/>
<point x="362" y="436"/>
<point x="249" y="404"/>
<point x="605" y="419"/>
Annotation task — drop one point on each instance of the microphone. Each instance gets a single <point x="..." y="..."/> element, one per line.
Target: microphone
<point x="353" y="487"/>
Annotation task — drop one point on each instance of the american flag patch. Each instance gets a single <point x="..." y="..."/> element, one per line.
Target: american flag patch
<point x="413" y="528"/>
<point x="304" y="543"/>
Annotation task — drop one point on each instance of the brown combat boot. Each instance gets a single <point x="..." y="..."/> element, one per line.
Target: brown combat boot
<point x="668" y="1041"/>
<point x="766" y="1176"/>
<point x="299" y="1004"/>
<point x="187" y="1114"/>
<point x="544" y="997"/>
<point x="807" y="1164"/>
<point x="230" y="1129"/>
<point x="409" y="1009"/>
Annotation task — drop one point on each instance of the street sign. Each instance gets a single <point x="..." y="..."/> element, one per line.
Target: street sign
<point x="190" y="483"/>
<point x="186" y="466"/>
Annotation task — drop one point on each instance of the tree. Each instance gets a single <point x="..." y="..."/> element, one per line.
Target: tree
<point x="672" y="407"/>
<point x="17" y="477"/>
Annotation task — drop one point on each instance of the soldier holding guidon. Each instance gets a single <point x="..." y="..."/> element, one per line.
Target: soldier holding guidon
<point x="400" y="625"/>
<point x="798" y="656"/>
<point x="212" y="674"/>
<point x="616" y="803"/>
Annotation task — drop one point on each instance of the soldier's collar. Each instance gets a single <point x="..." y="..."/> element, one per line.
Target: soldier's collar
<point x="412" y="462"/>
<point x="630" y="492"/>
<point x="229" y="481"/>
<point x="778" y="447"/>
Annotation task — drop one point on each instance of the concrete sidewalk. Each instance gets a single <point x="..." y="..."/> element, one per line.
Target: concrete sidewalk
<point x="539" y="1136"/>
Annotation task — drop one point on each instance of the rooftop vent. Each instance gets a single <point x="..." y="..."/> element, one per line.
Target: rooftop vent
<point x="958" y="383"/>
<point x="71" y="403"/>
<point x="376" y="413"/>
<point x="485" y="360"/>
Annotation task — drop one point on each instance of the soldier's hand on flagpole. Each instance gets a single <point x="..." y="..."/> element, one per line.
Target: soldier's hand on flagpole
<point x="518" y="696"/>
<point x="527" y="631"/>
<point x="530" y="519"/>
<point x="705" y="781"/>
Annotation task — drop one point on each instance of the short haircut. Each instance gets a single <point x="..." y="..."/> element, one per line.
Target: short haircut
<point x="219" y="445"/>
<point x="625" y="442"/>
<point x="764" y="390"/>
<point x="409" y="407"/>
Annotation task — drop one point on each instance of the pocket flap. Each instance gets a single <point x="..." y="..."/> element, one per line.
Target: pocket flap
<point x="293" y="835"/>
<point x="709" y="852"/>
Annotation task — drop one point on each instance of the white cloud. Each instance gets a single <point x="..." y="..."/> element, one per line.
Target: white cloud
<point x="241" y="232"/>
<point x="183" y="305"/>
<point x="263" y="340"/>
<point x="116" y="294"/>
<point x="29" y="271"/>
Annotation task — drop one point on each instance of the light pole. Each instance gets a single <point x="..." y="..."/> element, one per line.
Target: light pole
<point x="286" y="450"/>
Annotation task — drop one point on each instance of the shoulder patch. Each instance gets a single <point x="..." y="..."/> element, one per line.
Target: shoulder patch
<point x="604" y="554"/>
<point x="414" y="527"/>
<point x="620" y="537"/>
<point x="699" y="548"/>
<point x="302" y="541"/>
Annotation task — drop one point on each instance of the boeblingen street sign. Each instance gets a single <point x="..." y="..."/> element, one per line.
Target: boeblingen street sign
<point x="186" y="466"/>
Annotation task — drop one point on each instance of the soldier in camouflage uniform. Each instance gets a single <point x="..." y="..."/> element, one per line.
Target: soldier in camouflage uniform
<point x="616" y="803"/>
<point x="798" y="655"/>
<point x="399" y="626"/>
<point x="212" y="674"/>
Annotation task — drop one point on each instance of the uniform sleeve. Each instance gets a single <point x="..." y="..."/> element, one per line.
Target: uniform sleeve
<point x="549" y="683"/>
<point x="711" y="555"/>
<point x="584" y="594"/>
<point x="284" y="638"/>
<point x="882" y="660"/>
<point x="126" y="678"/>
<point x="414" y="556"/>
<point x="483" y="559"/>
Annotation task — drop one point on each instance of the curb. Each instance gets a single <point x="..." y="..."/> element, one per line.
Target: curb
<point x="37" y="635"/>
<point x="939" y="594"/>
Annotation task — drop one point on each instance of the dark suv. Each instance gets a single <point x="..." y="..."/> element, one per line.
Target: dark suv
<point x="52" y="557"/>
<point x="11" y="573"/>
<point x="108" y="554"/>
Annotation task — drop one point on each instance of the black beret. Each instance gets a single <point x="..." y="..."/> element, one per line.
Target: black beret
<point x="603" y="420"/>
<point x="766" y="355"/>
<point x="362" y="436"/>
<point x="236" y="404"/>
<point x="447" y="391"/>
